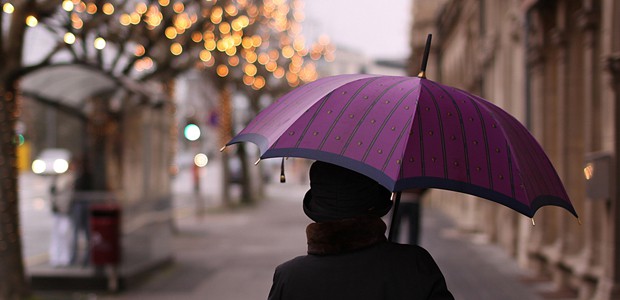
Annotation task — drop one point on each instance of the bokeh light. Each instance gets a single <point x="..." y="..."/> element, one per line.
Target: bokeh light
<point x="201" y="160"/>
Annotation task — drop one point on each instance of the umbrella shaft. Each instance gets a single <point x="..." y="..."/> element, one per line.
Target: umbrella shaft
<point x="393" y="224"/>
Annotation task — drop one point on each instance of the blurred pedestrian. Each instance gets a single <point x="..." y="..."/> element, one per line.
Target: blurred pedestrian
<point x="61" y="194"/>
<point x="80" y="210"/>
<point x="349" y="256"/>
<point x="409" y="212"/>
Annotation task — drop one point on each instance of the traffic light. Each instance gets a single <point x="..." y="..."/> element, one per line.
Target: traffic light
<point x="19" y="139"/>
<point x="191" y="130"/>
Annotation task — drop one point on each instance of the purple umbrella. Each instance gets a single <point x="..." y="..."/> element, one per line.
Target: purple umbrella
<point x="411" y="132"/>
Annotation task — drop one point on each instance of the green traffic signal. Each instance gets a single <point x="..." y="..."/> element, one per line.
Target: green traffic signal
<point x="191" y="132"/>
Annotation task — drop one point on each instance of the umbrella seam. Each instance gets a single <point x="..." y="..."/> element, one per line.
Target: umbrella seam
<point x="331" y="128"/>
<point x="463" y="134"/>
<point x="421" y="143"/>
<point x="512" y="184"/>
<point x="359" y="123"/>
<point x="302" y="92"/>
<point x="486" y="142"/>
<point x="260" y="125"/>
<point x="312" y="119"/>
<point x="400" y="136"/>
<point x="374" y="140"/>
<point x="441" y="132"/>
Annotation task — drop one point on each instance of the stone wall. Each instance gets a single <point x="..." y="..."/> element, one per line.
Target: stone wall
<point x="554" y="66"/>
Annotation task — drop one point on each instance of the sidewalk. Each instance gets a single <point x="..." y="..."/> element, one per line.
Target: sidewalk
<point x="231" y="255"/>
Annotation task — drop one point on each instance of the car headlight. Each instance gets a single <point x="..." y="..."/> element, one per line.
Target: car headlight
<point x="38" y="166"/>
<point x="60" y="166"/>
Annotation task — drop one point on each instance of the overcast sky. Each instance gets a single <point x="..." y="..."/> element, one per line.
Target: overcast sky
<point x="378" y="29"/>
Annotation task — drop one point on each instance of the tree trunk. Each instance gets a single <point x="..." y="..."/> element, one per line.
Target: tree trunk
<point x="247" y="197"/>
<point x="225" y="130"/>
<point x="13" y="284"/>
<point x="255" y="106"/>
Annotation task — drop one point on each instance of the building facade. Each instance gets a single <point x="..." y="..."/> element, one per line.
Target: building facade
<point x="554" y="65"/>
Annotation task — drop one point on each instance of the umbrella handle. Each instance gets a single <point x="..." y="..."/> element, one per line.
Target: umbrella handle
<point x="393" y="224"/>
<point x="427" y="51"/>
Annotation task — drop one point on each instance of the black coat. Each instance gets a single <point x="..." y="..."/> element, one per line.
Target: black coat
<point x="381" y="270"/>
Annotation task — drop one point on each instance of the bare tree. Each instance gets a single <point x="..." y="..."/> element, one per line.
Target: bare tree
<point x="135" y="43"/>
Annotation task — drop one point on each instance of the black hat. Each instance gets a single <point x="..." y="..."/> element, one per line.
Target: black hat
<point x="339" y="193"/>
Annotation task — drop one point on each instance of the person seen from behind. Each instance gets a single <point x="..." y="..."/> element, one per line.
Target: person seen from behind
<point x="349" y="256"/>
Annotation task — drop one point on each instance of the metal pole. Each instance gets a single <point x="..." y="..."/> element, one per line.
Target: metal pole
<point x="393" y="224"/>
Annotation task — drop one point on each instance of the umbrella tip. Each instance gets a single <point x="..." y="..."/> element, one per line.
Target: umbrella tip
<point x="223" y="148"/>
<point x="579" y="221"/>
<point x="282" y="177"/>
<point x="533" y="222"/>
<point x="256" y="163"/>
<point x="427" y="50"/>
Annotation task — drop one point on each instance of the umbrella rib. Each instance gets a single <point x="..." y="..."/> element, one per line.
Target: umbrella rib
<point x="486" y="141"/>
<point x="312" y="119"/>
<point x="257" y="126"/>
<point x="400" y="136"/>
<point x="385" y="120"/>
<point x="292" y="97"/>
<point x="331" y="128"/>
<point x="512" y="183"/>
<point x="463" y="133"/>
<point x="421" y="143"/>
<point x="441" y="133"/>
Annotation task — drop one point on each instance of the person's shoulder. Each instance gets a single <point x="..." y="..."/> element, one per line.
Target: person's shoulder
<point x="292" y="263"/>
<point x="404" y="247"/>
<point x="413" y="256"/>
<point x="405" y="250"/>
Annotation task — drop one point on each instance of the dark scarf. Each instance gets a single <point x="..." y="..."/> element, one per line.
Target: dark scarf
<point x="346" y="235"/>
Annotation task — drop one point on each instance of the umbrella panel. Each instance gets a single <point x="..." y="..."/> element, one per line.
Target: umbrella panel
<point x="411" y="132"/>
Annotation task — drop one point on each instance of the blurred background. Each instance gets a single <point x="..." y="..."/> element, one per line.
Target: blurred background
<point x="134" y="99"/>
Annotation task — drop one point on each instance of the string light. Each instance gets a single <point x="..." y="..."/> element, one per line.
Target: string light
<point x="276" y="49"/>
<point x="139" y="50"/>
<point x="67" y="5"/>
<point x="176" y="49"/>
<point x="99" y="43"/>
<point x="124" y="19"/>
<point x="178" y="7"/>
<point x="108" y="8"/>
<point x="171" y="33"/>
<point x="205" y="55"/>
<point x="141" y="8"/>
<point x="222" y="70"/>
<point x="69" y="38"/>
<point x="31" y="21"/>
<point x="91" y="8"/>
<point x="8" y="8"/>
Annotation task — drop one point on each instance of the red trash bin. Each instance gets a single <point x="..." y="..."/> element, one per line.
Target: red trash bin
<point x="105" y="234"/>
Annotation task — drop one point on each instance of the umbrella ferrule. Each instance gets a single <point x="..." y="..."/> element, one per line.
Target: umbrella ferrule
<point x="282" y="176"/>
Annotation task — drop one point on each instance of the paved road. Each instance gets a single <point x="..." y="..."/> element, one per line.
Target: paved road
<point x="231" y="254"/>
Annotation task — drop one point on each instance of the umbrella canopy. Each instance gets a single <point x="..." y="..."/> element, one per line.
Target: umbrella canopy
<point x="411" y="132"/>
